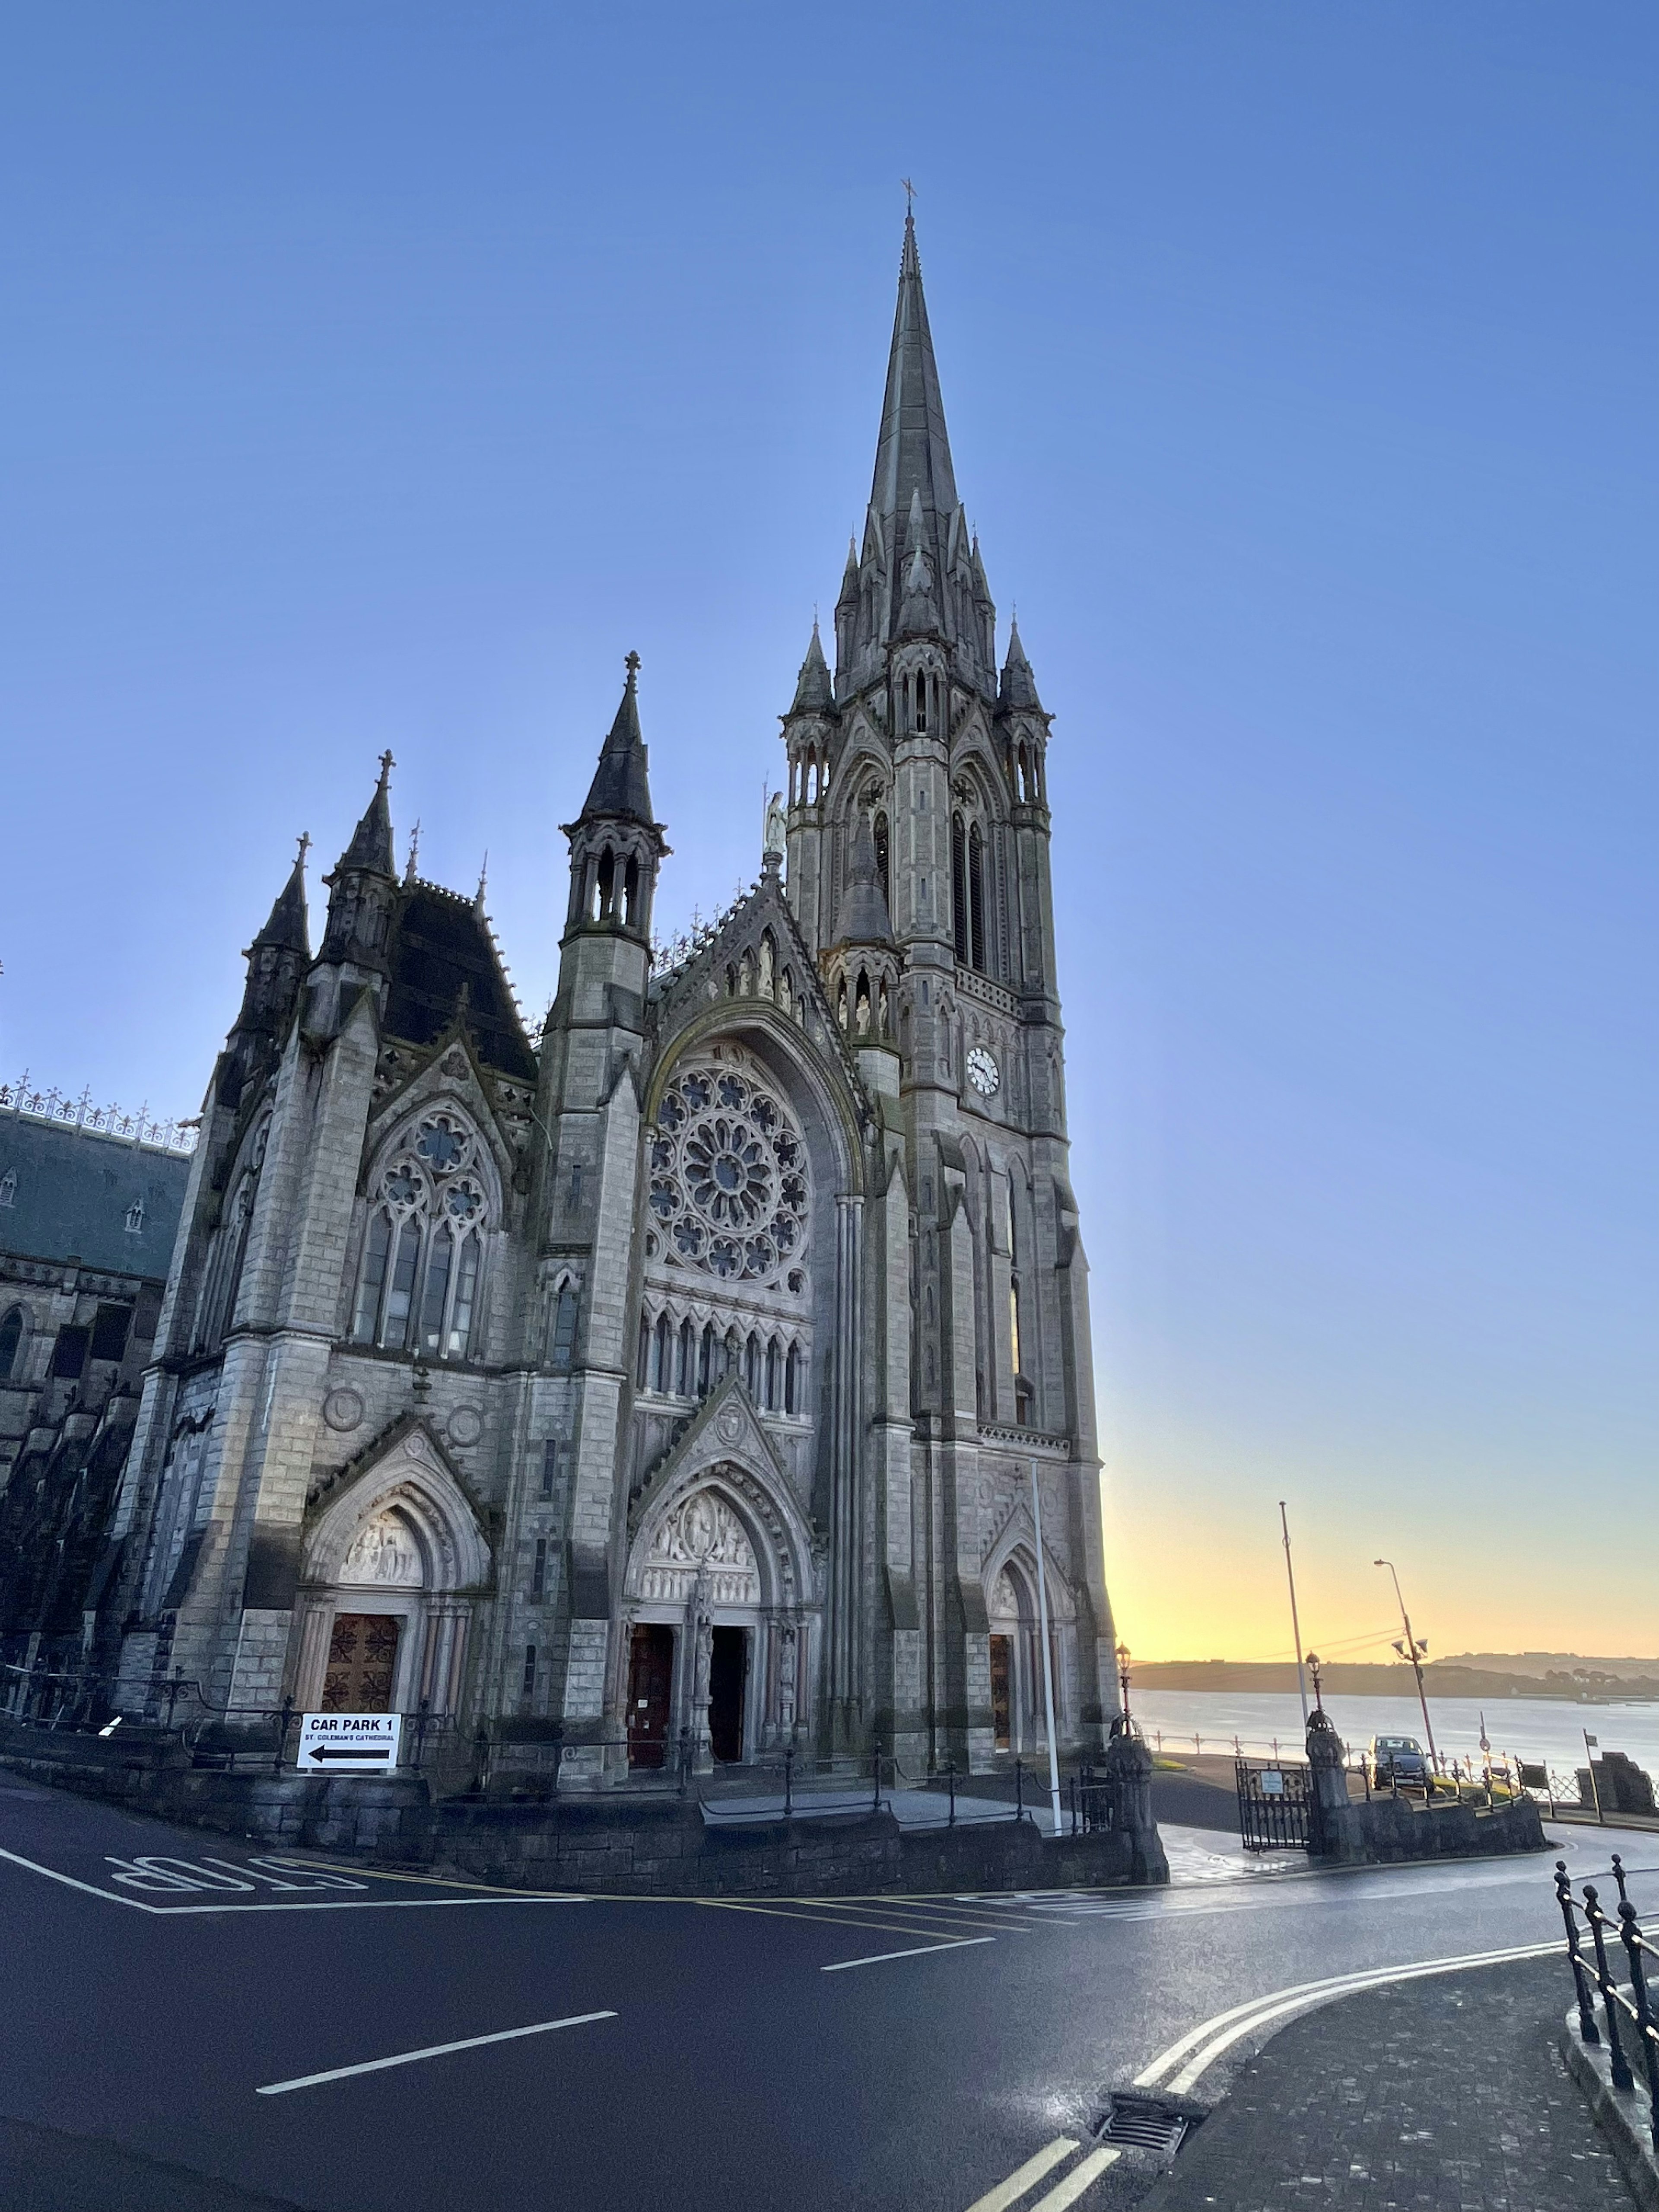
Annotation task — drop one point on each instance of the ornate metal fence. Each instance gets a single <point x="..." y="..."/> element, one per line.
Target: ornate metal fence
<point x="1625" y="2013"/>
<point x="1276" y="1807"/>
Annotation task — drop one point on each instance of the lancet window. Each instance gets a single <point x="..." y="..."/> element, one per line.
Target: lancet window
<point x="422" y="1264"/>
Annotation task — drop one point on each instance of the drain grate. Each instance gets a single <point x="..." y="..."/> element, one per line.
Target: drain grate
<point x="1143" y="2123"/>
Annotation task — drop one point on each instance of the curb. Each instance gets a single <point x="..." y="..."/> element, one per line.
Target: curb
<point x="1620" y="2114"/>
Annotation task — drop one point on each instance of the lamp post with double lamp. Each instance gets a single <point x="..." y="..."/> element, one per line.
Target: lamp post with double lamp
<point x="1416" y="1653"/>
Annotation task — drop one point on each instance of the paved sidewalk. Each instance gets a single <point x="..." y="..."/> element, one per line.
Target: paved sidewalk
<point x="1444" y="2095"/>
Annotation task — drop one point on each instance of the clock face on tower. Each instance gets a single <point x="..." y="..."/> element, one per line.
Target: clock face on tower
<point x="982" y="1072"/>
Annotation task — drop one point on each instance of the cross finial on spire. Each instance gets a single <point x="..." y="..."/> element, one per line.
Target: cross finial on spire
<point x="909" y="198"/>
<point x="631" y="662"/>
<point x="386" y="764"/>
<point x="305" y="847"/>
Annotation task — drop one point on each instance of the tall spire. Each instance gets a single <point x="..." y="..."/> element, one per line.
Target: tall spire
<point x="916" y="572"/>
<point x="621" y="789"/>
<point x="912" y="453"/>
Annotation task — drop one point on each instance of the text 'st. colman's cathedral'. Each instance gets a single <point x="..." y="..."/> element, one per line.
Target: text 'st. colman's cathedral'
<point x="680" y="1376"/>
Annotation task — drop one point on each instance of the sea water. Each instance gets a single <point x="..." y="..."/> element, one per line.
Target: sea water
<point x="1549" y="1730"/>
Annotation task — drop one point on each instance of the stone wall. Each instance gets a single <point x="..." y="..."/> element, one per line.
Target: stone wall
<point x="1394" y="1828"/>
<point x="611" y="1846"/>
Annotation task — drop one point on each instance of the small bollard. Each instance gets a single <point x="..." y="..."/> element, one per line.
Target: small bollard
<point x="951" y="1775"/>
<point x="788" y="1781"/>
<point x="1019" y="1791"/>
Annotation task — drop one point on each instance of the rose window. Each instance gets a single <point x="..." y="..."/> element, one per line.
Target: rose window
<point x="727" y="1176"/>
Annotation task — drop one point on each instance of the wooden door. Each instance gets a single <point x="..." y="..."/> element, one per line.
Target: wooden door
<point x="650" y="1692"/>
<point x="1001" y="1692"/>
<point x="362" y="1664"/>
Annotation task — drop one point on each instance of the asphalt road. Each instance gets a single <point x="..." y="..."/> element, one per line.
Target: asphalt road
<point x="168" y="1989"/>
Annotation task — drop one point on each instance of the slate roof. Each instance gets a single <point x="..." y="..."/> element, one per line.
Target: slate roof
<point x="74" y="1190"/>
<point x="440" y="942"/>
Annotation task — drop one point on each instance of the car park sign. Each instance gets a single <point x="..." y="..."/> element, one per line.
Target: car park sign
<point x="349" y="1743"/>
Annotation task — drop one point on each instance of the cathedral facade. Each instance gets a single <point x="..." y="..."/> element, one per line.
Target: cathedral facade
<point x="697" y="1373"/>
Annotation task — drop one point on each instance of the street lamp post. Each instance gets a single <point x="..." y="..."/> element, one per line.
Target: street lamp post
<point x="1314" y="1662"/>
<point x="1416" y="1652"/>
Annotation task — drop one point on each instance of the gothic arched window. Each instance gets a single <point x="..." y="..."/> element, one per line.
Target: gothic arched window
<point x="11" y="1335"/>
<point x="976" y="898"/>
<point x="884" y="862"/>
<point x="774" y="1375"/>
<point x="417" y="1284"/>
<point x="959" y="888"/>
<point x="792" y="1380"/>
<point x="567" y="1310"/>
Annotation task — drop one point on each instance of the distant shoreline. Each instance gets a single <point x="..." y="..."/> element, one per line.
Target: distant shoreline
<point x="1442" y="1680"/>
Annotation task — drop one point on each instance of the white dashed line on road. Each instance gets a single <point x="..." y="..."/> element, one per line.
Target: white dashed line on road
<point x="432" y="2051"/>
<point x="921" y="1951"/>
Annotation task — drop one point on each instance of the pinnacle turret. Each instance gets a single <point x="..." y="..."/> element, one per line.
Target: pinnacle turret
<point x="1018" y="684"/>
<point x="814" y="693"/>
<point x="621" y="789"/>
<point x="370" y="849"/>
<point x="276" y="960"/>
<point x="615" y="844"/>
<point x="362" y="885"/>
<point x="287" y="927"/>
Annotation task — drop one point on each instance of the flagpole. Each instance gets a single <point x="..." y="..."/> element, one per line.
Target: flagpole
<point x="1047" y="1667"/>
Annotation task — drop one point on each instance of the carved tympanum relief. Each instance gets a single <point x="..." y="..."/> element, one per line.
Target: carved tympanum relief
<point x="702" y="1533"/>
<point x="383" y="1551"/>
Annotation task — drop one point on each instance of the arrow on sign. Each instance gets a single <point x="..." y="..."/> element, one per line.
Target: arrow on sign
<point x="352" y="1751"/>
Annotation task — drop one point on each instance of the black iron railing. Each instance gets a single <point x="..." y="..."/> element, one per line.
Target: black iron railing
<point x="1627" y="2013"/>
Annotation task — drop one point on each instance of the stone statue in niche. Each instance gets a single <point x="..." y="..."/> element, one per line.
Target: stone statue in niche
<point x="787" y="1644"/>
<point x="1003" y="1601"/>
<point x="702" y="1659"/>
<point x="776" y="838"/>
<point x="383" y="1551"/>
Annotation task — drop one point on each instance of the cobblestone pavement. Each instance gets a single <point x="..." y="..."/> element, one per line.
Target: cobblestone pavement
<point x="1447" y="2095"/>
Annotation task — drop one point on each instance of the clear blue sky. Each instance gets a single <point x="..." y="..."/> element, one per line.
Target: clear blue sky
<point x="378" y="375"/>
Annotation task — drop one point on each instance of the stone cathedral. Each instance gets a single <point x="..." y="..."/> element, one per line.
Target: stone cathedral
<point x="682" y="1375"/>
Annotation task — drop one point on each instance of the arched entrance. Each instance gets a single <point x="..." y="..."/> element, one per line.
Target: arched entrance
<point x="1019" y="1715"/>
<point x="386" y="1599"/>
<point x="718" y="1647"/>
